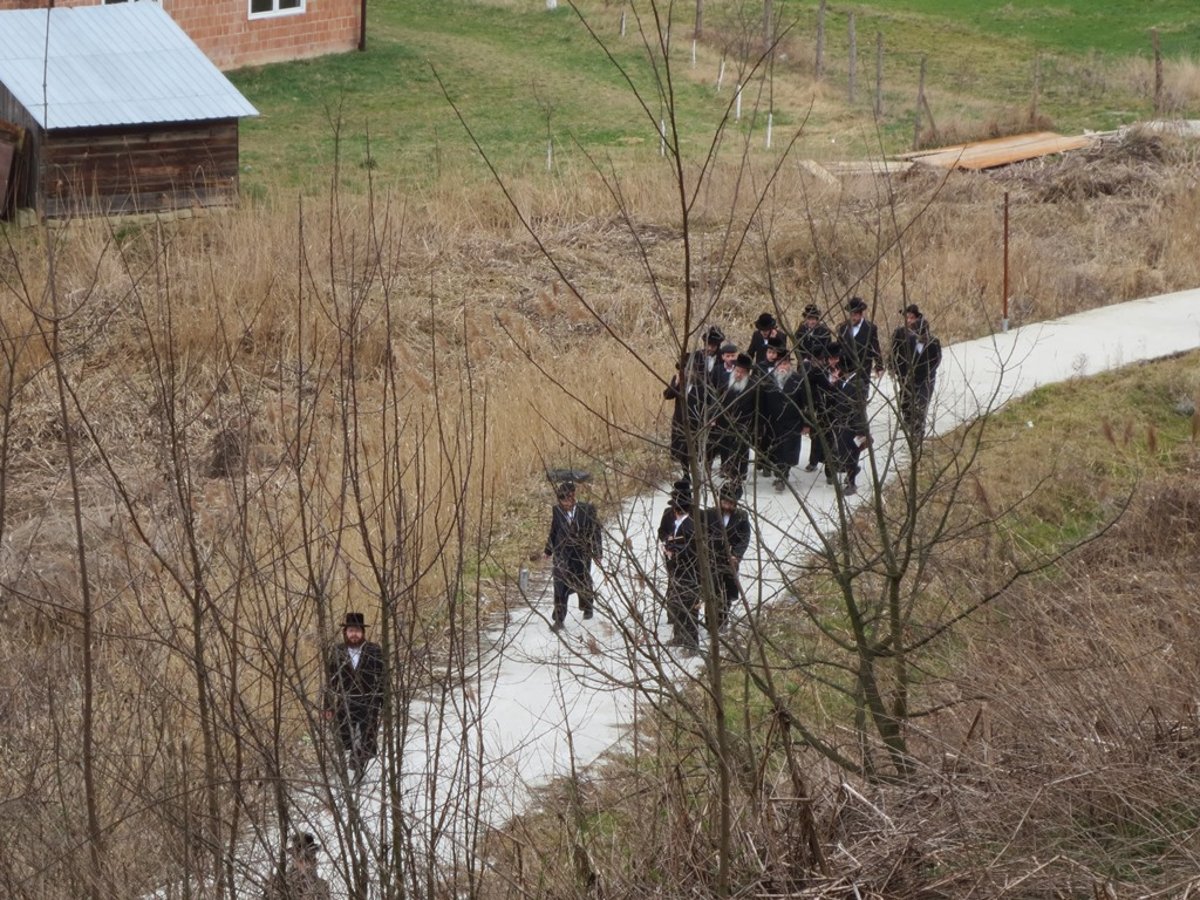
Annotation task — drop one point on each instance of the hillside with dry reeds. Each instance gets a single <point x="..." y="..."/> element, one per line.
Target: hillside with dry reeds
<point x="219" y="434"/>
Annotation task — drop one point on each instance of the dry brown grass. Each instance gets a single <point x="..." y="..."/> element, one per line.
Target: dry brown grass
<point x="270" y="324"/>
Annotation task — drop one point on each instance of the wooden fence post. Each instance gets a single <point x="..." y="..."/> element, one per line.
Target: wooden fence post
<point x="878" y="74"/>
<point x="920" y="106"/>
<point x="819" y="66"/>
<point x="1035" y="99"/>
<point x="1158" y="73"/>
<point x="853" y="64"/>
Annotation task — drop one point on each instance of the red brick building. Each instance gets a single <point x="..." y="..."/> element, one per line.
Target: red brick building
<point x="236" y="33"/>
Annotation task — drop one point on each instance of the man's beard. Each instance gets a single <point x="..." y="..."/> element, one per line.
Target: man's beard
<point x="737" y="385"/>
<point x="780" y="376"/>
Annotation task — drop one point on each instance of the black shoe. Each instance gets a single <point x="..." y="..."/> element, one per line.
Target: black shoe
<point x="780" y="484"/>
<point x="830" y="478"/>
<point x="587" y="613"/>
<point x="556" y="625"/>
<point x="849" y="489"/>
<point x="675" y="641"/>
<point x="811" y="467"/>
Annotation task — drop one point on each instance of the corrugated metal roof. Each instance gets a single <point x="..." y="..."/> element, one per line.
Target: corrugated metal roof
<point x="122" y="64"/>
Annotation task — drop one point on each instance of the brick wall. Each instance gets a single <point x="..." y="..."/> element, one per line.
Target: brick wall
<point x="224" y="30"/>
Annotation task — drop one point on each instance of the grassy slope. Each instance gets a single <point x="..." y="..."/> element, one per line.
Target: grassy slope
<point x="508" y="72"/>
<point x="1109" y="26"/>
<point x="507" y="67"/>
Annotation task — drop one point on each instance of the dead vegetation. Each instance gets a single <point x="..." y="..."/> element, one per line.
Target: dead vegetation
<point x="213" y="362"/>
<point x="1057" y="733"/>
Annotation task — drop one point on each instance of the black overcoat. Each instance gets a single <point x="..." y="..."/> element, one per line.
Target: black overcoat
<point x="912" y="366"/>
<point x="786" y="403"/>
<point x="355" y="694"/>
<point x="860" y="353"/>
<point x="574" y="545"/>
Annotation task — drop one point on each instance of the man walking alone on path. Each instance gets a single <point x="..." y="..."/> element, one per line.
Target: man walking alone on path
<point x="916" y="355"/>
<point x="574" y="541"/>
<point x="354" y="686"/>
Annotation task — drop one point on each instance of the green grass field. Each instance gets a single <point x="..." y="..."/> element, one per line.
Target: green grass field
<point x="521" y="74"/>
<point x="1072" y="26"/>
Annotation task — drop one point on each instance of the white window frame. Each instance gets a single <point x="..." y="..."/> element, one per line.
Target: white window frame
<point x="276" y="12"/>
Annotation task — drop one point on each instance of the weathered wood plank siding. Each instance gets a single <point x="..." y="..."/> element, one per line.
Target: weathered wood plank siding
<point x="135" y="169"/>
<point x="23" y="191"/>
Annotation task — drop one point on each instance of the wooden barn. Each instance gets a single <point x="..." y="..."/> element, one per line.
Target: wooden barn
<point x="235" y="33"/>
<point x="116" y="111"/>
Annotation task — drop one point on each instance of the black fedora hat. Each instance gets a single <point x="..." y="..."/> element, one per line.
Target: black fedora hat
<point x="354" y="620"/>
<point x="714" y="336"/>
<point x="304" y="844"/>
<point x="765" y="322"/>
<point x="812" y="311"/>
<point x="857" y="304"/>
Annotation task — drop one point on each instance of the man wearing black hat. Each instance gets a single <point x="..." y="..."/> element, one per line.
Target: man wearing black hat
<point x="785" y="398"/>
<point x="916" y="355"/>
<point x="707" y="360"/>
<point x="683" y="575"/>
<point x="812" y="337"/>
<point x="859" y="339"/>
<point x="354" y="689"/>
<point x="849" y="431"/>
<point x="721" y="376"/>
<point x="300" y="880"/>
<point x="735" y="425"/>
<point x="575" y="540"/>
<point x="765" y="328"/>
<point x="728" y="531"/>
<point x="688" y="413"/>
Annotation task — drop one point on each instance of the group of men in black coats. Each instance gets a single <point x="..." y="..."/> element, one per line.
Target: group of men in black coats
<point x="768" y="398"/>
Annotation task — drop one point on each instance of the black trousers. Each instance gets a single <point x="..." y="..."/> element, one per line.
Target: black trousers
<point x="573" y="576"/>
<point x="358" y="733"/>
<point x="725" y="582"/>
<point x="683" y="611"/>
<point x="914" y="408"/>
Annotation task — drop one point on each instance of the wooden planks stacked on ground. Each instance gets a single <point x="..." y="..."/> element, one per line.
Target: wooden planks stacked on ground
<point x="831" y="172"/>
<point x="999" y="151"/>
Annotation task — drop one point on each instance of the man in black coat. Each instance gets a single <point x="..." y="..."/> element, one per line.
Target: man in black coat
<point x="683" y="573"/>
<point x="686" y="389"/>
<point x="859" y="340"/>
<point x="818" y="391"/>
<point x="916" y="355"/>
<point x="575" y="540"/>
<point x="785" y="397"/>
<point x="707" y="360"/>
<point x="849" y="428"/>
<point x="354" y="687"/>
<point x="728" y="530"/>
<point x="813" y="337"/>
<point x="765" y="328"/>
<point x="736" y="422"/>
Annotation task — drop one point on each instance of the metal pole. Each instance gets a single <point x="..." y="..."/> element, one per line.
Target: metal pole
<point x="1004" y="320"/>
